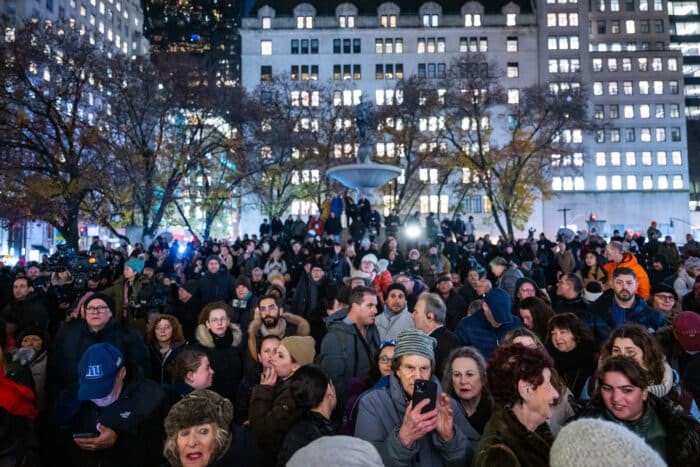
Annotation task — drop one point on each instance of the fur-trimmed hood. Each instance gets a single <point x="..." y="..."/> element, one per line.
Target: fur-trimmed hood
<point x="205" y="339"/>
<point x="296" y="326"/>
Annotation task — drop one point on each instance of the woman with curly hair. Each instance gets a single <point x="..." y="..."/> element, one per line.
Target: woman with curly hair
<point x="165" y="341"/>
<point x="519" y="380"/>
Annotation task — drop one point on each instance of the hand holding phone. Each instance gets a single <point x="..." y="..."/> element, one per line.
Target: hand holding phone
<point x="424" y="389"/>
<point x="85" y="435"/>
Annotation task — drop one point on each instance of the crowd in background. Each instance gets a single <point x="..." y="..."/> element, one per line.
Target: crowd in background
<point x="301" y="344"/>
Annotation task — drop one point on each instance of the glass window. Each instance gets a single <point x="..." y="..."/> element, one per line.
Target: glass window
<point x="645" y="135"/>
<point x="644" y="111"/>
<point x="266" y="22"/>
<point x="266" y="47"/>
<point x="674" y="111"/>
<point x="630" y="158"/>
<point x="513" y="96"/>
<point x="631" y="182"/>
<point x="662" y="182"/>
<point x="600" y="159"/>
<point x="646" y="158"/>
<point x="511" y="19"/>
<point x="512" y="44"/>
<point x="647" y="182"/>
<point x="677" y="182"/>
<point x="472" y="20"/>
<point x="661" y="134"/>
<point x="512" y="71"/>
<point x="661" y="158"/>
<point x="601" y="182"/>
<point x="676" y="158"/>
<point x="616" y="182"/>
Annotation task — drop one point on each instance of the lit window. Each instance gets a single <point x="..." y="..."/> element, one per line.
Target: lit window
<point x="472" y="20"/>
<point x="388" y="21"/>
<point x="631" y="182"/>
<point x="616" y="182"/>
<point x="630" y="158"/>
<point x="430" y="21"/>
<point x="646" y="158"/>
<point x="676" y="158"/>
<point x="600" y="159"/>
<point x="266" y="22"/>
<point x="662" y="182"/>
<point x="266" y="47"/>
<point x="630" y="26"/>
<point x="677" y="182"/>
<point x="512" y="71"/>
<point x="661" y="158"/>
<point x="647" y="182"/>
<point x="579" y="183"/>
<point x="601" y="182"/>
<point x="512" y="44"/>
<point x="556" y="183"/>
<point x="511" y="19"/>
<point x="513" y="96"/>
<point x="628" y="111"/>
<point x="615" y="159"/>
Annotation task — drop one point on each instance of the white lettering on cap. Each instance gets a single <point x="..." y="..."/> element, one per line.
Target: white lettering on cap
<point x="94" y="372"/>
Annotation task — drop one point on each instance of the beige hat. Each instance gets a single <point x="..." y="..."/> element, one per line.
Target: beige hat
<point x="357" y="274"/>
<point x="301" y="348"/>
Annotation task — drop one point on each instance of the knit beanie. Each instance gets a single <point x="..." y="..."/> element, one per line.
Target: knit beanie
<point x="686" y="327"/>
<point x="500" y="305"/>
<point x="301" y="348"/>
<point x="213" y="258"/>
<point x="105" y="298"/>
<point x="337" y="451"/>
<point x="599" y="443"/>
<point x="371" y="258"/>
<point x="415" y="342"/>
<point x="136" y="264"/>
<point x="199" y="407"/>
<point x="244" y="281"/>
<point x="395" y="286"/>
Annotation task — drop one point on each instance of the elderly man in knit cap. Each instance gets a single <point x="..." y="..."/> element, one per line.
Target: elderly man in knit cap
<point x="395" y="317"/>
<point x="405" y="434"/>
<point x="119" y="417"/>
<point x="488" y="326"/>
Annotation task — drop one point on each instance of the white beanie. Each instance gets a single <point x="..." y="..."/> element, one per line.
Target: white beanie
<point x="592" y="442"/>
<point x="337" y="451"/>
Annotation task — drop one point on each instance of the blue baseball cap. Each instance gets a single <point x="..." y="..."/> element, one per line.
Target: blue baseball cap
<point x="98" y="370"/>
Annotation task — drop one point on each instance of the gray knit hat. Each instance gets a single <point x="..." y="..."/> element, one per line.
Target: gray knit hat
<point x="599" y="443"/>
<point x="199" y="407"/>
<point x="337" y="451"/>
<point x="415" y="342"/>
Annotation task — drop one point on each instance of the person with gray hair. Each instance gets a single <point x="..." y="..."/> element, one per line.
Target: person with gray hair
<point x="429" y="316"/>
<point x="686" y="276"/>
<point x="407" y="435"/>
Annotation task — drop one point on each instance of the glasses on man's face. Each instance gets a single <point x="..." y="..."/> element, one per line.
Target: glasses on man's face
<point x="97" y="309"/>
<point x="665" y="298"/>
<point x="218" y="320"/>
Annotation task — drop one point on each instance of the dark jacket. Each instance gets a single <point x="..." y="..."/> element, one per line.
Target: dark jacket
<point x="307" y="428"/>
<point x="345" y="353"/>
<point x="682" y="431"/>
<point x="271" y="414"/>
<point x="162" y="365"/>
<point x="75" y="337"/>
<point x="215" y="287"/>
<point x="507" y="443"/>
<point x="137" y="418"/>
<point x="224" y="358"/>
<point x="26" y="313"/>
<point x="601" y="320"/>
<point x="242" y="452"/>
<point x="446" y="342"/>
<point x="576" y="366"/>
<point x="380" y="414"/>
<point x="456" y="309"/>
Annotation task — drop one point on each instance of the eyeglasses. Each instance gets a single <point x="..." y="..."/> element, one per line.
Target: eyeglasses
<point x="665" y="298"/>
<point x="164" y="328"/>
<point x="97" y="309"/>
<point x="218" y="320"/>
<point x="384" y="359"/>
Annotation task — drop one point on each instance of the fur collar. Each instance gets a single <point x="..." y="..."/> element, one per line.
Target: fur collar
<point x="204" y="337"/>
<point x="303" y="328"/>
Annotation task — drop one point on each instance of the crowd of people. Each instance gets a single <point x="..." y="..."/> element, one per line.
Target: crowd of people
<point x="305" y="346"/>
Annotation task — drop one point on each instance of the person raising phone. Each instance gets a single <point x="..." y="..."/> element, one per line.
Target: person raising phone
<point x="395" y="420"/>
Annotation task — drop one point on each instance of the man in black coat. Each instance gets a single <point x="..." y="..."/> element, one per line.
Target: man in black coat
<point x="25" y="309"/>
<point x="456" y="307"/>
<point x="216" y="284"/>
<point x="429" y="316"/>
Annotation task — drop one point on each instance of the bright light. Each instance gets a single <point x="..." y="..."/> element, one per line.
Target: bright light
<point x="181" y="249"/>
<point x="413" y="231"/>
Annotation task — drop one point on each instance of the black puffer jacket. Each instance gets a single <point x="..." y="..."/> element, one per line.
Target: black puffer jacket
<point x="682" y="431"/>
<point x="224" y="358"/>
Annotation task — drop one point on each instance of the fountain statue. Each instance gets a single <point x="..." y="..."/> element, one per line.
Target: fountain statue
<point x="365" y="175"/>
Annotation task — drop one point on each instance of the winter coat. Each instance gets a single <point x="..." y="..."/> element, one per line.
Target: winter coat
<point x="575" y="366"/>
<point x="446" y="342"/>
<point x="381" y="283"/>
<point x="162" y="365"/>
<point x="456" y="309"/>
<point x="683" y="283"/>
<point x="380" y="415"/>
<point x="345" y="353"/>
<point x="389" y="326"/>
<point x="682" y="432"/>
<point x="601" y="322"/>
<point x="139" y="291"/>
<point x="271" y="414"/>
<point x="137" y="417"/>
<point x="307" y="428"/>
<point x="289" y="325"/>
<point x="477" y="331"/>
<point x="507" y="280"/>
<point x="630" y="261"/>
<point x="224" y="358"/>
<point x="75" y="337"/>
<point x="507" y="443"/>
<point x="215" y="287"/>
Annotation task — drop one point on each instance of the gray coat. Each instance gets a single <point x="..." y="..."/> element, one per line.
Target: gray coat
<point x="343" y="353"/>
<point x="380" y="414"/>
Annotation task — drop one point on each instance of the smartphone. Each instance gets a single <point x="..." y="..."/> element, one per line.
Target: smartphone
<point x="424" y="389"/>
<point x="85" y="435"/>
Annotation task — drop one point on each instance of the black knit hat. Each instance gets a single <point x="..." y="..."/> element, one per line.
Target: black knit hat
<point x="244" y="281"/>
<point x="104" y="297"/>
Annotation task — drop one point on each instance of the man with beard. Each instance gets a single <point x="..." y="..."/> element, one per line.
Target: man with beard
<point x="270" y="319"/>
<point x="622" y="305"/>
<point x="395" y="317"/>
<point x="216" y="284"/>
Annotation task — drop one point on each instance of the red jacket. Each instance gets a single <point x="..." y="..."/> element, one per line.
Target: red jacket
<point x="17" y="399"/>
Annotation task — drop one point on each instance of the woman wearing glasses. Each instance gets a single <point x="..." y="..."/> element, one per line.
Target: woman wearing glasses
<point x="219" y="338"/>
<point x="165" y="342"/>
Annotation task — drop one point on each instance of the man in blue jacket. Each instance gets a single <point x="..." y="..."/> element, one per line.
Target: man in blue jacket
<point x="486" y="328"/>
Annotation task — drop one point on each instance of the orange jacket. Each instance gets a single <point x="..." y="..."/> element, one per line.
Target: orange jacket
<point x="629" y="261"/>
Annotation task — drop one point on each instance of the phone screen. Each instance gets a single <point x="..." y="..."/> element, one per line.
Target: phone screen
<point x="424" y="389"/>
